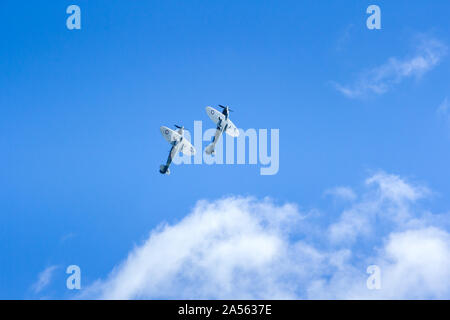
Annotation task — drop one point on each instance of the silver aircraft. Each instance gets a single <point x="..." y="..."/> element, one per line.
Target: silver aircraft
<point x="179" y="144"/>
<point x="223" y="123"/>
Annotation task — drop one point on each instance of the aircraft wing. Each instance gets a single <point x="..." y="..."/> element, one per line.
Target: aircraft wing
<point x="232" y="130"/>
<point x="214" y="115"/>
<point x="169" y="134"/>
<point x="187" y="148"/>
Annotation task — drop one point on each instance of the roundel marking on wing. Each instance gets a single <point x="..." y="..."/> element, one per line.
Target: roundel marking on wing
<point x="166" y="132"/>
<point x="212" y="111"/>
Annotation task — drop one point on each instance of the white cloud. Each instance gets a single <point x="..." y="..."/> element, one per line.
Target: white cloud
<point x="444" y="109"/>
<point x="243" y="248"/>
<point x="344" y="193"/>
<point x="389" y="200"/>
<point x="344" y="37"/>
<point x="67" y="237"/>
<point x="44" y="279"/>
<point x="227" y="248"/>
<point x="416" y="264"/>
<point x="413" y="263"/>
<point x="394" y="188"/>
<point x="381" y="79"/>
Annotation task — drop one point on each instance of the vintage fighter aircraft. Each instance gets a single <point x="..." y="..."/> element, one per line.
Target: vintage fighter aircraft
<point x="179" y="144"/>
<point x="224" y="124"/>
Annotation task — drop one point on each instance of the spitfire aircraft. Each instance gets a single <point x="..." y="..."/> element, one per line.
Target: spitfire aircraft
<point x="223" y="123"/>
<point x="179" y="144"/>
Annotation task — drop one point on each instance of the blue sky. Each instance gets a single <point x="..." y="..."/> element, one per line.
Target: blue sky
<point x="80" y="113"/>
